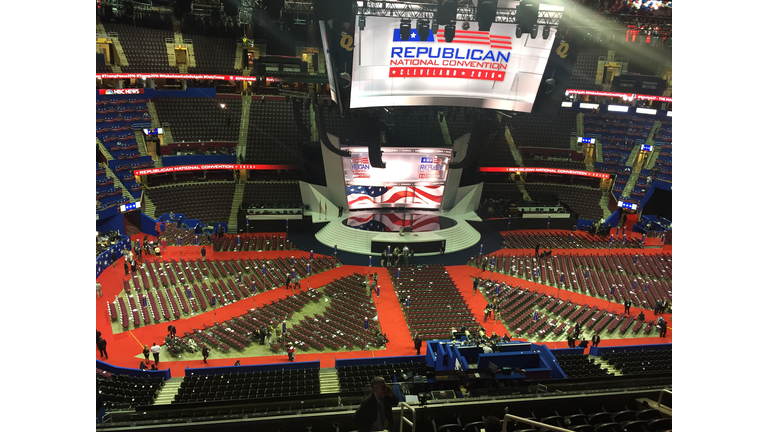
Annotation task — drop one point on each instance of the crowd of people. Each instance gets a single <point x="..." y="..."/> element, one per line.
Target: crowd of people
<point x="397" y="258"/>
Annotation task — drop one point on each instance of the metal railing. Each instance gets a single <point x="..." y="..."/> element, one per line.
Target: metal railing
<point x="412" y="424"/>
<point x="546" y="427"/>
<point x="661" y="394"/>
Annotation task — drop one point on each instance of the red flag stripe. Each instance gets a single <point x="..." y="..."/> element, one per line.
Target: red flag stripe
<point x="466" y="41"/>
<point x="501" y="37"/>
<point x="501" y="46"/>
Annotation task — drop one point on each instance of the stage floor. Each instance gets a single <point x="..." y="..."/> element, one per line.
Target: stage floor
<point x="393" y="221"/>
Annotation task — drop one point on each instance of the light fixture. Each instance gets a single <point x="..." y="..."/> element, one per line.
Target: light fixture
<point x="405" y="29"/>
<point x="518" y="31"/>
<point x="422" y="27"/>
<point x="361" y="22"/>
<point x="486" y="14"/>
<point x="450" y="31"/>
<point x="545" y="32"/>
<point x="223" y="106"/>
<point x="534" y="31"/>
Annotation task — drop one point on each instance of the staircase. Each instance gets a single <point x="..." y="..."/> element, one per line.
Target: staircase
<point x="141" y="143"/>
<point x="168" y="391"/>
<point x="149" y="206"/>
<point x="604" y="203"/>
<point x="630" y="186"/>
<point x="237" y="199"/>
<point x="239" y="56"/>
<point x="104" y="150"/>
<point x="598" y="151"/>
<point x="120" y="52"/>
<point x="513" y="148"/>
<point x="119" y="184"/>
<point x="242" y="139"/>
<point x="167" y="134"/>
<point x="329" y="381"/>
<point x="171" y="52"/>
<point x="313" y="126"/>
<point x="633" y="156"/>
<point x="580" y="124"/>
<point x="153" y="114"/>
<point x="652" y="159"/>
<point x="444" y="129"/>
<point x="605" y="366"/>
<point x="521" y="185"/>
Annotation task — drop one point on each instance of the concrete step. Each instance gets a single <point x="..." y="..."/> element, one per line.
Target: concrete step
<point x="169" y="390"/>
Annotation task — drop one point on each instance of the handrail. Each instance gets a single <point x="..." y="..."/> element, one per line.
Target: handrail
<point x="544" y="426"/>
<point x="404" y="406"/>
<point x="661" y="393"/>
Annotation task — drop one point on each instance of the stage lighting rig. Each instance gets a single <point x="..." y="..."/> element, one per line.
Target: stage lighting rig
<point x="422" y="27"/>
<point x="405" y="29"/>
<point x="527" y="16"/>
<point x="545" y="32"/>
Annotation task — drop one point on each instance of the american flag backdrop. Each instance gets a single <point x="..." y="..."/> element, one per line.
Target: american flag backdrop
<point x="392" y="222"/>
<point x="360" y="197"/>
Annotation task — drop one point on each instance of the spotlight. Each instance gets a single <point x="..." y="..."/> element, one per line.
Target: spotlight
<point x="223" y="106"/>
<point x="534" y="31"/>
<point x="405" y="29"/>
<point x="361" y="22"/>
<point x="450" y="31"/>
<point x="422" y="26"/>
<point x="545" y="32"/>
<point x="486" y="13"/>
<point x="518" y="32"/>
<point x="435" y="27"/>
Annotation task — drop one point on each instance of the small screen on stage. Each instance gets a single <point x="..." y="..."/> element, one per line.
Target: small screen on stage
<point x="413" y="178"/>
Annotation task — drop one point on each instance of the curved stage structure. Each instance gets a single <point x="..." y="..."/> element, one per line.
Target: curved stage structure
<point x="431" y="230"/>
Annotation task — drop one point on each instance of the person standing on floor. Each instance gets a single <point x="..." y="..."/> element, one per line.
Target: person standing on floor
<point x="165" y="244"/>
<point x="102" y="345"/>
<point x="98" y="336"/>
<point x="417" y="343"/>
<point x="474" y="285"/>
<point x="172" y="331"/>
<point x="133" y="266"/>
<point x="577" y="331"/>
<point x="536" y="249"/>
<point x="571" y="340"/>
<point x="383" y="258"/>
<point x="146" y="354"/>
<point x="98" y="289"/>
<point x="627" y="304"/>
<point x="291" y="351"/>
<point x="287" y="281"/>
<point x="155" y="352"/>
<point x="205" y="354"/>
<point x="595" y="340"/>
<point x="485" y="263"/>
<point x="442" y="247"/>
<point x="125" y="266"/>
<point x="202" y="253"/>
<point x="662" y="333"/>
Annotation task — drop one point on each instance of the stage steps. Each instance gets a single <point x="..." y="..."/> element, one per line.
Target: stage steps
<point x="460" y="237"/>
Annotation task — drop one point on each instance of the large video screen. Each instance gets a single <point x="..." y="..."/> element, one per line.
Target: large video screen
<point x="413" y="178"/>
<point x="493" y="69"/>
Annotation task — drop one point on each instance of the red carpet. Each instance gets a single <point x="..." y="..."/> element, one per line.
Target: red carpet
<point x="124" y="347"/>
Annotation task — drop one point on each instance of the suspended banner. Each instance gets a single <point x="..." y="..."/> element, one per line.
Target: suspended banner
<point x="546" y="170"/>
<point x="620" y="95"/>
<point x="174" y="76"/>
<point x="179" y="168"/>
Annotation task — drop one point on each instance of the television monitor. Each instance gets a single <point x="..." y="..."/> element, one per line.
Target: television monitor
<point x="413" y="178"/>
<point x="485" y="69"/>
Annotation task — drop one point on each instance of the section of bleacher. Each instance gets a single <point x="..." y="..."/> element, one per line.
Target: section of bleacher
<point x="537" y="130"/>
<point x="356" y="379"/>
<point x="272" y="195"/>
<point x="213" y="55"/>
<point x="201" y="119"/>
<point x="585" y="70"/>
<point x="584" y="201"/>
<point x="144" y="47"/>
<point x="208" y="202"/>
<point x="273" y="136"/>
<point x="126" y="392"/>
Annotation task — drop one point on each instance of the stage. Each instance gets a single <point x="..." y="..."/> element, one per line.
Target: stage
<point x="369" y="232"/>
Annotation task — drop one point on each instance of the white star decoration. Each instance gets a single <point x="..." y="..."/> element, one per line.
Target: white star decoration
<point x="413" y="35"/>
